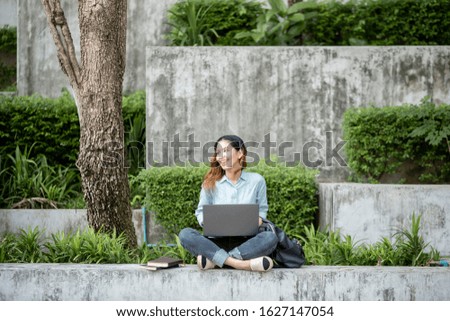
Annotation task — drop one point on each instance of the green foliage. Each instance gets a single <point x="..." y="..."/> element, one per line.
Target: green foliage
<point x="321" y="248"/>
<point x="8" y="39"/>
<point x="331" y="248"/>
<point x="208" y="22"/>
<point x="7" y="77"/>
<point x="189" y="26"/>
<point x="23" y="248"/>
<point x="382" y="140"/>
<point x="434" y="124"/>
<point x="280" y="25"/>
<point x="88" y="247"/>
<point x="327" y="23"/>
<point x="411" y="245"/>
<point x="8" y="48"/>
<point x="291" y="193"/>
<point x="28" y="183"/>
<point x="51" y="126"/>
<point x="84" y="247"/>
<point x="380" y="23"/>
<point x="173" y="194"/>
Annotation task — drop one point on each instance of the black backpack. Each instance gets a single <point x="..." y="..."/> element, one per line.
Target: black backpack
<point x="289" y="252"/>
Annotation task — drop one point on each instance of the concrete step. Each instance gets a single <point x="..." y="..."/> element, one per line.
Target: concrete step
<point x="310" y="283"/>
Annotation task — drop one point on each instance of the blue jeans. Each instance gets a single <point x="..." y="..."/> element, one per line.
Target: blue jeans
<point x="263" y="243"/>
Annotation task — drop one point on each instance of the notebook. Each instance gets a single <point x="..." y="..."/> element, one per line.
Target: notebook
<point x="230" y="220"/>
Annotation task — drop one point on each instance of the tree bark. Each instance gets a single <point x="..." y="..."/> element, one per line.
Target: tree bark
<point x="97" y="84"/>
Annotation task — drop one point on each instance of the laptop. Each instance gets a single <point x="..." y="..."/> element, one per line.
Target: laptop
<point x="230" y="220"/>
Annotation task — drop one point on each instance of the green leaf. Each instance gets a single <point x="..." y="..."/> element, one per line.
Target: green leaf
<point x="278" y="5"/>
<point x="299" y="6"/>
<point x="297" y="17"/>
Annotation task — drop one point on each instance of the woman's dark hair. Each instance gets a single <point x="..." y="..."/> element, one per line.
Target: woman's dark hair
<point x="216" y="172"/>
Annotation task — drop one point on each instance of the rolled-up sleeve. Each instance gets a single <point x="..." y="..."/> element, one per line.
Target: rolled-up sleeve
<point x="205" y="198"/>
<point x="261" y="198"/>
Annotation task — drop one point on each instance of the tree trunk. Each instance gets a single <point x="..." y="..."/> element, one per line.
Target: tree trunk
<point x="97" y="84"/>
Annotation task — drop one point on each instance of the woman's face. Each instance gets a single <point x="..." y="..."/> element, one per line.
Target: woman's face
<point x="227" y="156"/>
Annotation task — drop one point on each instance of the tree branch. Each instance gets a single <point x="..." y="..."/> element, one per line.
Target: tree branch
<point x="63" y="40"/>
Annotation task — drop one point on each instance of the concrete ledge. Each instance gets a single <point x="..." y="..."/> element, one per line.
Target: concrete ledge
<point x="131" y="282"/>
<point x="51" y="221"/>
<point x="368" y="212"/>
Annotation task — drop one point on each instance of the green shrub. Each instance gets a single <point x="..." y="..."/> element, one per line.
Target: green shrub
<point x="410" y="140"/>
<point x="7" y="78"/>
<point x="8" y="39"/>
<point x="173" y="194"/>
<point x="51" y="126"/>
<point x="280" y="25"/>
<point x="82" y="246"/>
<point x="331" y="248"/>
<point x="321" y="248"/>
<point x="326" y="23"/>
<point x="28" y="183"/>
<point x="134" y="120"/>
<point x="380" y="22"/>
<point x="207" y="22"/>
<point x="8" y="48"/>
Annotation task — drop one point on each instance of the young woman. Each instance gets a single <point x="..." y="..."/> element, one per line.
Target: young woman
<point x="227" y="183"/>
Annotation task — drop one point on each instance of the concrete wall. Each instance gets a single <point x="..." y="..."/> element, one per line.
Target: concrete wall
<point x="297" y="95"/>
<point x="368" y="212"/>
<point x="53" y="221"/>
<point x="132" y="283"/>
<point x="38" y="67"/>
<point x="8" y="13"/>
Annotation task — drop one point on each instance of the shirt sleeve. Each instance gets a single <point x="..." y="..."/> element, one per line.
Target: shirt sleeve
<point x="261" y="198"/>
<point x="205" y="198"/>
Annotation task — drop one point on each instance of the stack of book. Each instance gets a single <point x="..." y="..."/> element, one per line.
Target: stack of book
<point x="163" y="262"/>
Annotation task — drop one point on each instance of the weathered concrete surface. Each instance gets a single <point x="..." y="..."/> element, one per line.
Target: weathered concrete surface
<point x="53" y="221"/>
<point x="131" y="282"/>
<point x="368" y="212"/>
<point x="297" y="95"/>
<point x="38" y="68"/>
<point x="8" y="13"/>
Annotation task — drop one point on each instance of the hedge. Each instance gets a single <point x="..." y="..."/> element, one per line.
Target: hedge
<point x="380" y="22"/>
<point x="8" y="49"/>
<point x="8" y="39"/>
<point x="172" y="193"/>
<point x="51" y="125"/>
<point x="410" y="140"/>
<point x="327" y="23"/>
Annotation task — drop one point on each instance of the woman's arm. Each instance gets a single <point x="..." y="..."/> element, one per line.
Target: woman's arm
<point x="261" y="198"/>
<point x="205" y="198"/>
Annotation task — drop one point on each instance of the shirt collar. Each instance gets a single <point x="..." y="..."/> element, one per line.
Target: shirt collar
<point x="244" y="177"/>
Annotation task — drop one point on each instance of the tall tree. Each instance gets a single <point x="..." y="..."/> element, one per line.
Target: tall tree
<point x="97" y="84"/>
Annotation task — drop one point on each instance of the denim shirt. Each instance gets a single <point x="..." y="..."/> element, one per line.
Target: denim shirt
<point x="249" y="189"/>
